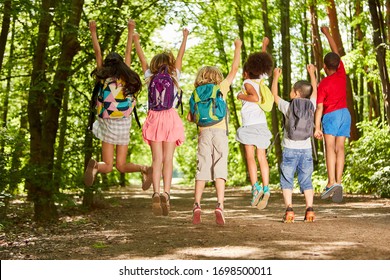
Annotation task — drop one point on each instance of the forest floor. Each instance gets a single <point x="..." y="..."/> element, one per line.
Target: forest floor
<point x="124" y="228"/>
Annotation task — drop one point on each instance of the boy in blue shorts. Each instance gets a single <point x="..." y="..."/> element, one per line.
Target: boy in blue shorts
<point x="336" y="119"/>
<point x="297" y="149"/>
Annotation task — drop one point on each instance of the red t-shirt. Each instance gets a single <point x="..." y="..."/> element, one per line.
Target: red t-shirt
<point x="332" y="91"/>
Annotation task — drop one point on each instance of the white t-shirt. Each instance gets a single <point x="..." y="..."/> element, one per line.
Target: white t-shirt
<point x="148" y="74"/>
<point x="286" y="142"/>
<point x="251" y="113"/>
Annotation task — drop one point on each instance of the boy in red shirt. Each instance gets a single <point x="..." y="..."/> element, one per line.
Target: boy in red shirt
<point x="333" y="113"/>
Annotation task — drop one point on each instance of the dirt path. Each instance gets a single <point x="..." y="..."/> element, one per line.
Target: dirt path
<point x="359" y="228"/>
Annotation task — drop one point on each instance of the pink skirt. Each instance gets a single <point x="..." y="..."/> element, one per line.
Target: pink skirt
<point x="163" y="126"/>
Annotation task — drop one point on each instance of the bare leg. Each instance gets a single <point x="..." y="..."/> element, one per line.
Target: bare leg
<point x="199" y="188"/>
<point x="264" y="167"/>
<point x="330" y="145"/>
<point x="121" y="164"/>
<point x="220" y="187"/>
<point x="340" y="158"/>
<point x="167" y="169"/>
<point x="251" y="162"/>
<point x="309" y="197"/>
<point x="108" y="158"/>
<point x="157" y="160"/>
<point x="287" y="196"/>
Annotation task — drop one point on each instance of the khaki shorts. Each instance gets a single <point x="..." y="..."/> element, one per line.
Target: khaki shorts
<point x="212" y="155"/>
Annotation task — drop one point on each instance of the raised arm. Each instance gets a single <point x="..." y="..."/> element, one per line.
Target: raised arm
<point x="130" y="31"/>
<point x="312" y="73"/>
<point x="95" y="44"/>
<point x="274" y="88"/>
<point x="332" y="43"/>
<point x="265" y="44"/>
<point x="180" y="54"/>
<point x="140" y="53"/>
<point x="236" y="61"/>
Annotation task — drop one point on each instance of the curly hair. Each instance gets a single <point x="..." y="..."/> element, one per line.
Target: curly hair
<point x="114" y="67"/>
<point x="208" y="75"/>
<point x="257" y="64"/>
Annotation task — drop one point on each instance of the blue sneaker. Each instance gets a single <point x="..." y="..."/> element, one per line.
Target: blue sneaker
<point x="338" y="194"/>
<point x="257" y="193"/>
<point x="264" y="201"/>
<point x="330" y="191"/>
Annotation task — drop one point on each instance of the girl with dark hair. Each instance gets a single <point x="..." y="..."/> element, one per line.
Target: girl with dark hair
<point x="254" y="133"/>
<point x="116" y="100"/>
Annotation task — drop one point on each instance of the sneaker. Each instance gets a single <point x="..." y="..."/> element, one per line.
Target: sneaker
<point x="156" y="204"/>
<point x="196" y="214"/>
<point x="289" y="215"/>
<point x="257" y="193"/>
<point x="219" y="217"/>
<point x="165" y="206"/>
<point x="338" y="194"/>
<point x="90" y="172"/>
<point x="330" y="191"/>
<point x="309" y="215"/>
<point x="264" y="201"/>
<point x="147" y="177"/>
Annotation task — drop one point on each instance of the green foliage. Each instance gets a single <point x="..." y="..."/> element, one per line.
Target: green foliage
<point x="368" y="161"/>
<point x="214" y="26"/>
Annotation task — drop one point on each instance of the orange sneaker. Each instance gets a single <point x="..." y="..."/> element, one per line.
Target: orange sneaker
<point x="309" y="215"/>
<point x="289" y="215"/>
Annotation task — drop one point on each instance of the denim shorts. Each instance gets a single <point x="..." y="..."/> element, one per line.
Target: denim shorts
<point x="298" y="161"/>
<point x="337" y="123"/>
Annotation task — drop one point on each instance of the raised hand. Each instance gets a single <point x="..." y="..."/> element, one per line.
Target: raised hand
<point x="131" y="24"/>
<point x="92" y="26"/>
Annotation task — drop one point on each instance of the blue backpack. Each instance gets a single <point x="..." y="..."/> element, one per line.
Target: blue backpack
<point x="207" y="106"/>
<point x="162" y="91"/>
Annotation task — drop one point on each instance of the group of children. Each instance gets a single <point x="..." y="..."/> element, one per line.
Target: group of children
<point x="163" y="129"/>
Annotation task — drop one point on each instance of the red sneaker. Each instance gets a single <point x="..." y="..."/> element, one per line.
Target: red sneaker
<point x="219" y="217"/>
<point x="196" y="220"/>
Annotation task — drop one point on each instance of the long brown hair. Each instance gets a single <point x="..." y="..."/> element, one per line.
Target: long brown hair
<point x="114" y="67"/>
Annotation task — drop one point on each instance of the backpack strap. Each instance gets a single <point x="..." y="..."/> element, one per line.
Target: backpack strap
<point x="92" y="103"/>
<point x="136" y="116"/>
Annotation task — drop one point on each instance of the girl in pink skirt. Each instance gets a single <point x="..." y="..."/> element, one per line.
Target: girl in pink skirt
<point x="163" y="129"/>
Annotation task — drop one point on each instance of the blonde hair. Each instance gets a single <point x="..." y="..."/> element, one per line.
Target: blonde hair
<point x="208" y="75"/>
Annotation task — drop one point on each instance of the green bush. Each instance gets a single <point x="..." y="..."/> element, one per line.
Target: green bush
<point x="367" y="168"/>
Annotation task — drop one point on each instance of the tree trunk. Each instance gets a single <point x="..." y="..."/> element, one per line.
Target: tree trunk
<point x="274" y="112"/>
<point x="43" y="132"/>
<point x="388" y="20"/>
<point x="61" y="142"/>
<point x="316" y="40"/>
<point x="231" y="97"/>
<point x="334" y="27"/>
<point x="286" y="47"/>
<point x="7" y="9"/>
<point x="380" y="47"/>
<point x="36" y="182"/>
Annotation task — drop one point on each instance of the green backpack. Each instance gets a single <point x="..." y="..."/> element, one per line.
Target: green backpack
<point x="207" y="106"/>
